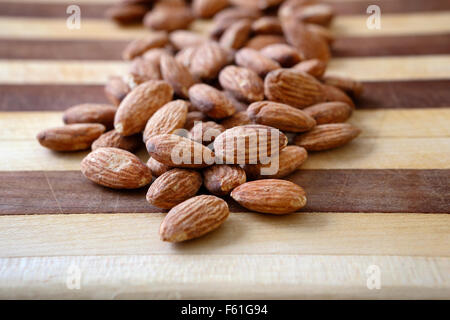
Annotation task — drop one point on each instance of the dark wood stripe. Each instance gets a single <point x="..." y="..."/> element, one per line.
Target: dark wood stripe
<point x="404" y="191"/>
<point x="385" y="94"/>
<point x="97" y="10"/>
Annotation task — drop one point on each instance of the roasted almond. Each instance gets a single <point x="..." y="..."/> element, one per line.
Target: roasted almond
<point x="139" y="46"/>
<point x="329" y="112"/>
<point x="91" y="113"/>
<point x="207" y="60"/>
<point x="115" y="168"/>
<point x="140" y="104"/>
<point x="249" y="144"/>
<point x="327" y="136"/>
<point x="116" y="89"/>
<point x="185" y="56"/>
<point x="267" y="25"/>
<point x="227" y="17"/>
<point x="126" y="13"/>
<point x="211" y="101"/>
<point x="314" y="67"/>
<point x="168" y="17"/>
<point x="238" y="119"/>
<point x="238" y="105"/>
<point x="220" y="179"/>
<point x="236" y="35"/>
<point x="263" y="40"/>
<point x="293" y="88"/>
<point x="284" y="54"/>
<point x="243" y="83"/>
<point x="193" y="117"/>
<point x="319" y="13"/>
<point x="270" y="196"/>
<point x="177" y="75"/>
<point x="206" y="132"/>
<point x="193" y="218"/>
<point x="174" y="187"/>
<point x="157" y="168"/>
<point x="254" y="60"/>
<point x="144" y="70"/>
<point x="208" y="8"/>
<point x="176" y="151"/>
<point x="280" y="166"/>
<point x="322" y="32"/>
<point x="72" y="137"/>
<point x="280" y="116"/>
<point x="154" y="55"/>
<point x="184" y="39"/>
<point x="350" y="86"/>
<point x="335" y="94"/>
<point x="112" y="139"/>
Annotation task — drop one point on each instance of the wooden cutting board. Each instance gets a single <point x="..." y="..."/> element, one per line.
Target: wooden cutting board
<point x="377" y="208"/>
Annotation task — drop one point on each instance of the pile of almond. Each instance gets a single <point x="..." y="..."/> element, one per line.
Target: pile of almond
<point x="235" y="112"/>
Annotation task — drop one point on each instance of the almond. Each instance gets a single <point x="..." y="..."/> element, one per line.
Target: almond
<point x="254" y="60"/>
<point x="154" y="55"/>
<point x="319" y="13"/>
<point x="329" y="112"/>
<point x="211" y="101"/>
<point x="112" y="139"/>
<point x="184" y="39"/>
<point x="140" y="104"/>
<point x="249" y="144"/>
<point x="243" y="83"/>
<point x="350" y="86"/>
<point x="116" y="89"/>
<point x="327" y="136"/>
<point x="206" y="132"/>
<point x="157" y="168"/>
<point x="176" y="151"/>
<point x="72" y="137"/>
<point x="221" y="179"/>
<point x="126" y="13"/>
<point x="193" y="218"/>
<point x="174" y="187"/>
<point x="193" y="117"/>
<point x="284" y="54"/>
<point x="270" y="196"/>
<point x="335" y="94"/>
<point x="207" y="60"/>
<point x="280" y="116"/>
<point x="208" y="8"/>
<point x="263" y="40"/>
<point x="115" y="168"/>
<point x="322" y="32"/>
<point x="144" y="70"/>
<point x="236" y="35"/>
<point x="229" y="16"/>
<point x="169" y="18"/>
<point x="314" y="67"/>
<point x="267" y="25"/>
<point x="139" y="46"/>
<point x="238" y="105"/>
<point x="282" y="165"/>
<point x="177" y="75"/>
<point x="185" y="56"/>
<point x="170" y="117"/>
<point x="238" y="119"/>
<point x="91" y="113"/>
<point x="293" y="88"/>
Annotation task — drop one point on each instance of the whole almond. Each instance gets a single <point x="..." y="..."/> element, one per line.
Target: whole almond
<point x="154" y="55"/>
<point x="140" y="104"/>
<point x="207" y="60"/>
<point x="263" y="40"/>
<point x="294" y="88"/>
<point x="211" y="101"/>
<point x="174" y="187"/>
<point x="254" y="60"/>
<point x="91" y="113"/>
<point x="177" y="75"/>
<point x="139" y="46"/>
<point x="282" y="165"/>
<point x="126" y="13"/>
<point x="193" y="117"/>
<point x="280" y="116"/>
<point x="72" y="137"/>
<point x="284" y="54"/>
<point x="116" y="89"/>
<point x="208" y="8"/>
<point x="144" y="70"/>
<point x="206" y="132"/>
<point x="115" y="168"/>
<point x="249" y="144"/>
<point x="168" y="18"/>
<point x="256" y="4"/>
<point x="236" y="35"/>
<point x="335" y="94"/>
<point x="228" y="17"/>
<point x="267" y="25"/>
<point x="238" y="105"/>
<point x="157" y="168"/>
<point x="321" y="32"/>
<point x="184" y="39"/>
<point x="112" y="139"/>
<point x="270" y="196"/>
<point x="243" y="83"/>
<point x="170" y="117"/>
<point x="176" y="151"/>
<point x="329" y="112"/>
<point x="319" y="13"/>
<point x="221" y="179"/>
<point x="193" y="218"/>
<point x="238" y="119"/>
<point x="350" y="86"/>
<point x="327" y="136"/>
<point x="185" y="56"/>
<point x="314" y="67"/>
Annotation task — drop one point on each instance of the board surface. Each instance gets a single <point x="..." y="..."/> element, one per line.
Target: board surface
<point x="380" y="202"/>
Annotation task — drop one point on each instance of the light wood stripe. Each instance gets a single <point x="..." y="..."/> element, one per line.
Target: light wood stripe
<point x="224" y="277"/>
<point x="242" y="233"/>
<point x="97" y="72"/>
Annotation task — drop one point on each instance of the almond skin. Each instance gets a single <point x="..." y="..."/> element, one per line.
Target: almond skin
<point x="206" y="132"/>
<point x="91" y="113"/>
<point x="72" y="137"/>
<point x="168" y="17"/>
<point x="237" y="119"/>
<point x="193" y="218"/>
<point x="314" y="67"/>
<point x="327" y="136"/>
<point x="248" y="144"/>
<point x="207" y="60"/>
<point x="229" y="16"/>
<point x="115" y="168"/>
<point x="350" y="86"/>
<point x="284" y="54"/>
<point x="294" y="88"/>
<point x="180" y="152"/>
<point x="270" y="196"/>
<point x="177" y="75"/>
<point x="211" y="101"/>
<point x="174" y="187"/>
<point x="144" y="70"/>
<point x="140" y="104"/>
<point x="335" y="94"/>
<point x="243" y="83"/>
<point x="221" y="179"/>
<point x="116" y="90"/>
<point x="126" y="13"/>
<point x="320" y="13"/>
<point x="254" y="60"/>
<point x="139" y="46"/>
<point x="280" y="116"/>
<point x="170" y="117"/>
<point x="289" y="160"/>
<point x="181" y="39"/>
<point x="112" y="139"/>
<point x="263" y="40"/>
<point x="329" y="112"/>
<point x="193" y="117"/>
<point x="208" y="8"/>
<point x="157" y="168"/>
<point x="267" y="25"/>
<point x="236" y="35"/>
